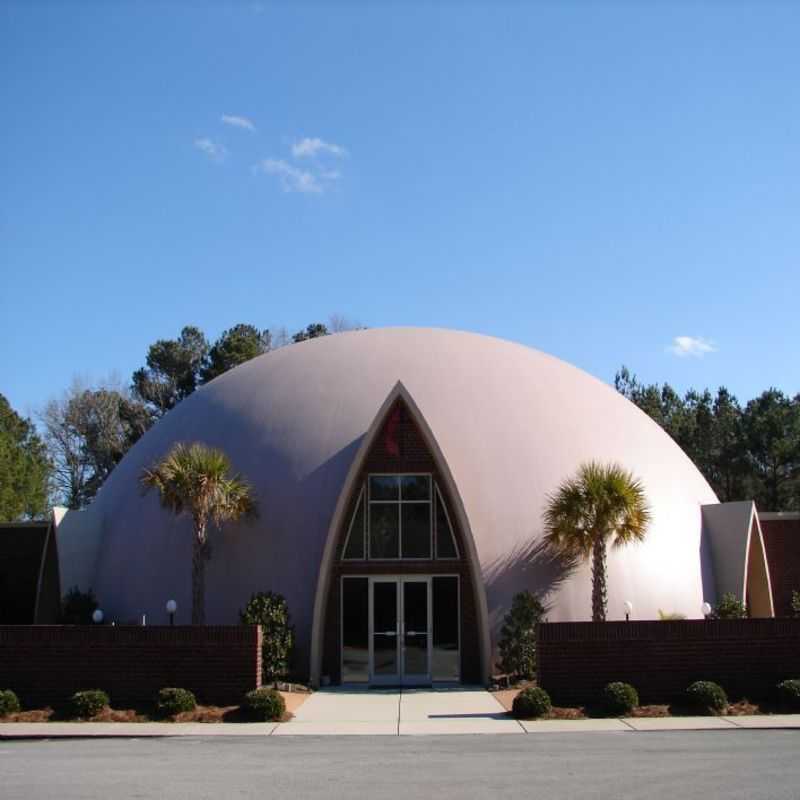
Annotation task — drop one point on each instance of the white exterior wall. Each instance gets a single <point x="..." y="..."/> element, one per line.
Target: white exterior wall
<point x="510" y="421"/>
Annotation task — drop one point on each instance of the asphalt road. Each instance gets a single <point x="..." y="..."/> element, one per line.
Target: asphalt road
<point x="672" y="766"/>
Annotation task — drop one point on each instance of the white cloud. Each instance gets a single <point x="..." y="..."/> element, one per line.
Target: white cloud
<point x="216" y="152"/>
<point x="292" y="179"/>
<point x="238" y="122"/>
<point x="695" y="346"/>
<point x="312" y="147"/>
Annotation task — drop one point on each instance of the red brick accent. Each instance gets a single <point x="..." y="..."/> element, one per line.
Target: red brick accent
<point x="399" y="447"/>
<point x="45" y="664"/>
<point x="782" y="543"/>
<point x="746" y="657"/>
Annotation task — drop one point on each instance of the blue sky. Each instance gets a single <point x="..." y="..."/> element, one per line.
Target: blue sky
<point x="590" y="179"/>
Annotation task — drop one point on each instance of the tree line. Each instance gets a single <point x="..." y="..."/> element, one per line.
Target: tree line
<point x="749" y="451"/>
<point x="86" y="432"/>
<point x="746" y="452"/>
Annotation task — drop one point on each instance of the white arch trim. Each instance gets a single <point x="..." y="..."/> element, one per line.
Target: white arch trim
<point x="757" y="579"/>
<point x="735" y="536"/>
<point x="323" y="579"/>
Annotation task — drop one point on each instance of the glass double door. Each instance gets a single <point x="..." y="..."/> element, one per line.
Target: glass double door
<point x="400" y="630"/>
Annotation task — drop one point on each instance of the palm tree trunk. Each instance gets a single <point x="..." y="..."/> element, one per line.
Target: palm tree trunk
<point x="199" y="577"/>
<point x="599" y="591"/>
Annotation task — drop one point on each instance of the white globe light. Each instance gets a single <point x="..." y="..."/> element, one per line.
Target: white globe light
<point x="706" y="609"/>
<point x="172" y="606"/>
<point x="97" y="616"/>
<point x="628" y="607"/>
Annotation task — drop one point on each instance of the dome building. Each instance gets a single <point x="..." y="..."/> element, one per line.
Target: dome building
<point x="401" y="476"/>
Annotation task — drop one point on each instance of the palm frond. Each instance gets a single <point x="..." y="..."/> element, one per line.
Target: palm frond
<point x="601" y="501"/>
<point x="195" y="479"/>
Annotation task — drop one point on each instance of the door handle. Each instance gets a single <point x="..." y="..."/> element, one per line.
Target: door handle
<point x="416" y="633"/>
<point x="387" y="633"/>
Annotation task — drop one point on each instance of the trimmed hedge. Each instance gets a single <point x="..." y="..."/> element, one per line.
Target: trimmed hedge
<point x="789" y="693"/>
<point x="172" y="701"/>
<point x="707" y="696"/>
<point x="87" y="703"/>
<point x="531" y="703"/>
<point x="619" y="698"/>
<point x="9" y="702"/>
<point x="263" y="705"/>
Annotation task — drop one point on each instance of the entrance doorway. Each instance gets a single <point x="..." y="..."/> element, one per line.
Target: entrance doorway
<point x="400" y="630"/>
<point x="401" y="627"/>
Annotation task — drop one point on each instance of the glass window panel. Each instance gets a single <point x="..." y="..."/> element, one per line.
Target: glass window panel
<point x="415" y="624"/>
<point x="416" y="487"/>
<point x="384" y="487"/>
<point x="384" y="530"/>
<point x="416" y="527"/>
<point x="355" y="630"/>
<point x="445" y="541"/>
<point x="384" y="639"/>
<point x="446" y="659"/>
<point x="355" y="540"/>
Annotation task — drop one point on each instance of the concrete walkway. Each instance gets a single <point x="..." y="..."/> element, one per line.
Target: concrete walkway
<point x="395" y="712"/>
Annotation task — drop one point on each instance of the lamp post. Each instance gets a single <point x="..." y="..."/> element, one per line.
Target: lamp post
<point x="172" y="607"/>
<point x="628" y="610"/>
<point x="97" y="616"/>
<point x="706" y="609"/>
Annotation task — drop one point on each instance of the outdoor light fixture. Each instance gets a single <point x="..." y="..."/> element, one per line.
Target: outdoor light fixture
<point x="97" y="616"/>
<point x="628" y="610"/>
<point x="172" y="607"/>
<point x="706" y="608"/>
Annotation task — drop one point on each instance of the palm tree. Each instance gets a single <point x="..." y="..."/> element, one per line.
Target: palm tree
<point x="195" y="480"/>
<point x="603" y="504"/>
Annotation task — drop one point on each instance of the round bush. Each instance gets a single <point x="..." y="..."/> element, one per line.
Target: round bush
<point x="531" y="703"/>
<point x="9" y="702"/>
<point x="171" y="701"/>
<point x="707" y="696"/>
<point x="88" y="703"/>
<point x="619" y="698"/>
<point x="789" y="693"/>
<point x="264" y="705"/>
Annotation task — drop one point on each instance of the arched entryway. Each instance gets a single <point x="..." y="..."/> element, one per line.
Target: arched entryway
<point x="399" y="600"/>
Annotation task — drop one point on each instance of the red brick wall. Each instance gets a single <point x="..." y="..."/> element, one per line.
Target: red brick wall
<point x="746" y="657"/>
<point x="782" y="543"/>
<point x="45" y="664"/>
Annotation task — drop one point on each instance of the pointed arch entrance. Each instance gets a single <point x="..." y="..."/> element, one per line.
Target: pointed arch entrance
<point x="399" y="597"/>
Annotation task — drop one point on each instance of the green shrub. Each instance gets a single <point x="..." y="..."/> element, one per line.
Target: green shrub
<point x="707" y="696"/>
<point x="530" y="703"/>
<point x="669" y="616"/>
<point x="517" y="643"/>
<point x="729" y="608"/>
<point x="171" y="701"/>
<point x="9" y="702"/>
<point x="270" y="611"/>
<point x="789" y="693"/>
<point x="77" y="607"/>
<point x="263" y="705"/>
<point x="619" y="698"/>
<point x="795" y="604"/>
<point x="87" y="703"/>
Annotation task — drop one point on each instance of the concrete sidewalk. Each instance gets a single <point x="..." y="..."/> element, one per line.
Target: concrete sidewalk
<point x="395" y="712"/>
